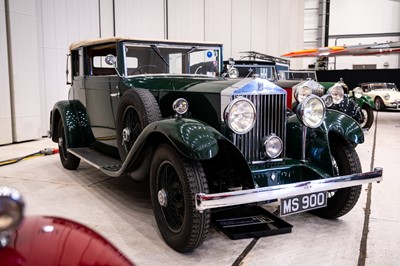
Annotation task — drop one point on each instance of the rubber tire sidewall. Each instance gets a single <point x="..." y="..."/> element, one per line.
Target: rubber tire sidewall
<point x="195" y="224"/>
<point x="68" y="160"/>
<point x="379" y="104"/>
<point x="146" y="107"/>
<point x="344" y="199"/>
<point x="370" y="118"/>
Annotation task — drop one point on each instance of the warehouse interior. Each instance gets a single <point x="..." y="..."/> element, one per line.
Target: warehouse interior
<point x="35" y="36"/>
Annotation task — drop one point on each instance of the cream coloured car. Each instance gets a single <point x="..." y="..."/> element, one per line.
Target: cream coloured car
<point x="384" y="95"/>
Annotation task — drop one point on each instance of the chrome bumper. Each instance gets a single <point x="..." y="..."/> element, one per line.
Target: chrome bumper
<point x="225" y="199"/>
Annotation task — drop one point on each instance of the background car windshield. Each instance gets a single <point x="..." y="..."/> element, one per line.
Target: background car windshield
<point x="171" y="59"/>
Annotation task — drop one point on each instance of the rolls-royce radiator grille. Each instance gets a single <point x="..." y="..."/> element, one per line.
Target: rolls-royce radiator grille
<point x="271" y="118"/>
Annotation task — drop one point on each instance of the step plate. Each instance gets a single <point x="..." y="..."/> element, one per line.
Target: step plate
<point x="96" y="159"/>
<point x="249" y="222"/>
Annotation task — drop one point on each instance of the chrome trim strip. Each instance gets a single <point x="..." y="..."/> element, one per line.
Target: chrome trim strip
<point x="225" y="199"/>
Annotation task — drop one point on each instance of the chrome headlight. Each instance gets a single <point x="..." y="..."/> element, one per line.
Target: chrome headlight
<point x="358" y="92"/>
<point x="328" y="100"/>
<point x="240" y="115"/>
<point x="387" y="96"/>
<point x="337" y="93"/>
<point x="311" y="112"/>
<point x="273" y="146"/>
<point x="301" y="93"/>
<point x="11" y="209"/>
<point x="233" y="72"/>
<point x="180" y="106"/>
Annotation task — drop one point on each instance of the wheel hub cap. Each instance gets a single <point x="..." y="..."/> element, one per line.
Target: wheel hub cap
<point x="162" y="197"/>
<point x="126" y="134"/>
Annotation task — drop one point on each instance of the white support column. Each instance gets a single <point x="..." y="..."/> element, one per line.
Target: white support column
<point x="5" y="104"/>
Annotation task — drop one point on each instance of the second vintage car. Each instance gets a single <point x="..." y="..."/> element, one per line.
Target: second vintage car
<point x="161" y="110"/>
<point x="384" y="95"/>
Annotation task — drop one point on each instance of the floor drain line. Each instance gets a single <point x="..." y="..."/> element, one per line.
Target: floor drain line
<point x="367" y="212"/>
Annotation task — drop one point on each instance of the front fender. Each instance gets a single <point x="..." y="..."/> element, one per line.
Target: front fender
<point x="191" y="137"/>
<point x="72" y="113"/>
<point x="317" y="145"/>
<point x="365" y="99"/>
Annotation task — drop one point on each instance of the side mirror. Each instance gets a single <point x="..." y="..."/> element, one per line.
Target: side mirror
<point x="111" y="60"/>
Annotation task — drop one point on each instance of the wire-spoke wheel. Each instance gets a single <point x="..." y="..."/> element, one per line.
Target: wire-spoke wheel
<point x="174" y="182"/>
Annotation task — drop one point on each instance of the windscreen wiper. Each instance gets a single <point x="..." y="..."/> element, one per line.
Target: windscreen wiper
<point x="155" y="48"/>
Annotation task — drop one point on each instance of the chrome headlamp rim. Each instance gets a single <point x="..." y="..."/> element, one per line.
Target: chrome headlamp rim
<point x="228" y="113"/>
<point x="11" y="209"/>
<point x="358" y="92"/>
<point x="328" y="100"/>
<point x="268" y="140"/>
<point x="180" y="106"/>
<point x="337" y="93"/>
<point x="233" y="72"/>
<point x="302" y="92"/>
<point x="303" y="111"/>
<point x="387" y="97"/>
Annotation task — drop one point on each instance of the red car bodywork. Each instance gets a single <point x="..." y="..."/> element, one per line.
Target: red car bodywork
<point x="45" y="240"/>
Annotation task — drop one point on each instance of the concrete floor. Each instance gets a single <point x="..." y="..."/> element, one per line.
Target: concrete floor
<point x="120" y="210"/>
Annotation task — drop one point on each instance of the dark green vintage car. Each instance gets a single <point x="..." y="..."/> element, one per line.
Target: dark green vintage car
<point x="163" y="111"/>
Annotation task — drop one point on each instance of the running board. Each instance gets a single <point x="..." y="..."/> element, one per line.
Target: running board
<point x="97" y="159"/>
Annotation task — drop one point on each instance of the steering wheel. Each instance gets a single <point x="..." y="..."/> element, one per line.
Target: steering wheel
<point x="139" y="69"/>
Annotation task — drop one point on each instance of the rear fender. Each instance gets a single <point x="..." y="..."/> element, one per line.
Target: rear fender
<point x="76" y="123"/>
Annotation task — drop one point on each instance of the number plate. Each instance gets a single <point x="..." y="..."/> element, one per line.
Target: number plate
<point x="303" y="203"/>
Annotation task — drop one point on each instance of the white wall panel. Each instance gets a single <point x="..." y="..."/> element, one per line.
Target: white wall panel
<point x="241" y="26"/>
<point x="5" y="105"/>
<point x="60" y="22"/>
<point x="218" y="19"/>
<point x="24" y="70"/>
<point x="186" y="20"/>
<point x="106" y="18"/>
<point x="259" y="26"/>
<point x="140" y="18"/>
<point x="377" y="16"/>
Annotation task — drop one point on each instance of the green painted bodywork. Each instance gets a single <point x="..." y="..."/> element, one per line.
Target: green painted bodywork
<point x="191" y="137"/>
<point x="76" y="123"/>
<point x="179" y="83"/>
<point x="365" y="99"/>
<point x="317" y="145"/>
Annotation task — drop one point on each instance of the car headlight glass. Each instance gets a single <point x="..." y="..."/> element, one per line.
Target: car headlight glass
<point x="273" y="146"/>
<point x="311" y="112"/>
<point x="302" y="92"/>
<point x="328" y="100"/>
<point x="233" y="72"/>
<point x="240" y="115"/>
<point x="387" y="97"/>
<point x="180" y="106"/>
<point x="11" y="209"/>
<point x="337" y="94"/>
<point x="358" y="92"/>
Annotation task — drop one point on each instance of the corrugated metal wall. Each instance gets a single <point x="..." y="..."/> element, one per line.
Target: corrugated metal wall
<point x="40" y="32"/>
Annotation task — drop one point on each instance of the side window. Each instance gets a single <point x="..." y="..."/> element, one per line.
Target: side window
<point x="75" y="63"/>
<point x="96" y="65"/>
